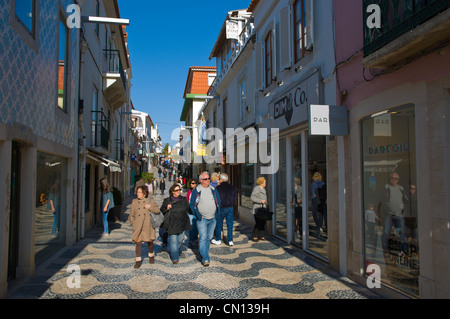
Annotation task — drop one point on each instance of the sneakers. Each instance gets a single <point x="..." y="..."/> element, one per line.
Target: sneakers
<point x="205" y="264"/>
<point x="230" y="243"/>
<point x="216" y="242"/>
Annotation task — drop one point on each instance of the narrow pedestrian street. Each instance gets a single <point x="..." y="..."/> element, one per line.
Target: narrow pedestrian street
<point x="247" y="270"/>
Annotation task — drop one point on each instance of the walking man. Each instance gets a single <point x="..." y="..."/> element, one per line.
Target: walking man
<point x="228" y="195"/>
<point x="205" y="204"/>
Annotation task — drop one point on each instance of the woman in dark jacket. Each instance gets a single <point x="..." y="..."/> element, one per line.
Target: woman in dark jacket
<point x="176" y="220"/>
<point x="162" y="186"/>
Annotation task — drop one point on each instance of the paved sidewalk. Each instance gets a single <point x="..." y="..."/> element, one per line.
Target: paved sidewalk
<point x="247" y="270"/>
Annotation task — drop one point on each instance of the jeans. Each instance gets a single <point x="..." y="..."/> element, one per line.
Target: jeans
<point x="55" y="227"/>
<point x="397" y="222"/>
<point x="193" y="233"/>
<point x="173" y="245"/>
<point x="226" y="213"/>
<point x="105" y="222"/>
<point x="206" y="231"/>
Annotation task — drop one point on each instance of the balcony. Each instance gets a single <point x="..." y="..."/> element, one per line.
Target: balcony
<point x="247" y="36"/>
<point x="100" y="130"/>
<point x="408" y="28"/>
<point x="115" y="90"/>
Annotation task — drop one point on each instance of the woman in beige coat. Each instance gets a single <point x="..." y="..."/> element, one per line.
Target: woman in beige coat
<point x="143" y="230"/>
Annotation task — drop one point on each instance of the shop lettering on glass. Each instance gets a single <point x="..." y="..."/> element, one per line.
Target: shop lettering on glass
<point x="403" y="254"/>
<point x="389" y="148"/>
<point x="285" y="105"/>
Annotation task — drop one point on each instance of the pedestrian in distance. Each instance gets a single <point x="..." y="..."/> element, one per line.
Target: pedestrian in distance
<point x="140" y="182"/>
<point x="155" y="185"/>
<point x="259" y="199"/>
<point x="228" y="196"/>
<point x="162" y="185"/>
<point x="106" y="203"/>
<point x="205" y="204"/>
<point x="214" y="179"/>
<point x="140" y="220"/>
<point x="176" y="220"/>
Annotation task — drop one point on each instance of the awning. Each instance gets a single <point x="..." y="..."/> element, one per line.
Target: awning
<point x="113" y="166"/>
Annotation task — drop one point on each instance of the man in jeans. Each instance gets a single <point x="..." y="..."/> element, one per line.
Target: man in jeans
<point x="228" y="195"/>
<point x="205" y="204"/>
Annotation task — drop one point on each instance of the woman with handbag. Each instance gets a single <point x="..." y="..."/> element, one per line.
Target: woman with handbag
<point x="106" y="203"/>
<point x="140" y="219"/>
<point x="259" y="199"/>
<point x="176" y="220"/>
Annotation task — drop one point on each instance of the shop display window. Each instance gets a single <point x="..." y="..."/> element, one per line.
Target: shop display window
<point x="390" y="197"/>
<point x="50" y="212"/>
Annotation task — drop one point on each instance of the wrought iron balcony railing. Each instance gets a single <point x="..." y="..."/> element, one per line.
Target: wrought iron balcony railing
<point x="100" y="129"/>
<point x="114" y="65"/>
<point x="248" y="33"/>
<point x="397" y="18"/>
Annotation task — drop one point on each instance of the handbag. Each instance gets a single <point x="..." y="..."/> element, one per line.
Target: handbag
<point x="156" y="219"/>
<point x="264" y="213"/>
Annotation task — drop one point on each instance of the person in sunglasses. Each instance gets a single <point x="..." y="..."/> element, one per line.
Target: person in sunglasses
<point x="176" y="220"/>
<point x="205" y="205"/>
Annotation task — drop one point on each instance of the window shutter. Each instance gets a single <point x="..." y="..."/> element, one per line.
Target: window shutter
<point x="309" y="25"/>
<point x="285" y="39"/>
<point x="259" y="66"/>
<point x="274" y="50"/>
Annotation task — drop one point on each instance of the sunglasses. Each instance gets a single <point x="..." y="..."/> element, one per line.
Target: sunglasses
<point x="205" y="179"/>
<point x="177" y="190"/>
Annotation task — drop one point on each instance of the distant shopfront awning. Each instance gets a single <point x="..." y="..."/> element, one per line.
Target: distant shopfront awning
<point x="113" y="166"/>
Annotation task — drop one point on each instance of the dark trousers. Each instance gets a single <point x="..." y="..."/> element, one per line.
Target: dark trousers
<point x="260" y="228"/>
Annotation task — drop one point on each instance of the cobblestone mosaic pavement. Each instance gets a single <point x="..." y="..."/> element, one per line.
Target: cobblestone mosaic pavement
<point x="247" y="270"/>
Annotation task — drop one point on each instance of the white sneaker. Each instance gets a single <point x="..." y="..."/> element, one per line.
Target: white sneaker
<point x="230" y="243"/>
<point x="216" y="242"/>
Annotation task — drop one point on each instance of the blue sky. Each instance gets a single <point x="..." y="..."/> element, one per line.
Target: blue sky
<point x="165" y="39"/>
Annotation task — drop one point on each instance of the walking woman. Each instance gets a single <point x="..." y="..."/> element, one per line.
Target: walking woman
<point x="176" y="220"/>
<point x="162" y="186"/>
<point x="193" y="233"/>
<point x="106" y="203"/>
<point x="259" y="199"/>
<point x="143" y="230"/>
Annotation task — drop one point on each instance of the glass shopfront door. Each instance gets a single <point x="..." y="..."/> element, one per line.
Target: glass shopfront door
<point x="300" y="191"/>
<point x="317" y="219"/>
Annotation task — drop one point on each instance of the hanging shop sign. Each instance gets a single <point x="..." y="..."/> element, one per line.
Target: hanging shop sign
<point x="329" y="120"/>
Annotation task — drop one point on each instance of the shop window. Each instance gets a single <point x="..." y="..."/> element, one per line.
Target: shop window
<point x="247" y="183"/>
<point x="390" y="197"/>
<point x="50" y="212"/>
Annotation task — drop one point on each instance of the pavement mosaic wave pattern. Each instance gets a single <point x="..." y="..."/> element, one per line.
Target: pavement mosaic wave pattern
<point x="266" y="269"/>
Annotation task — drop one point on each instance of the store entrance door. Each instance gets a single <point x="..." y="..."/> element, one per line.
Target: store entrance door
<point x="14" y="214"/>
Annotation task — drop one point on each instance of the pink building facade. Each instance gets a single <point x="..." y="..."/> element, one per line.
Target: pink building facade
<point x="393" y="73"/>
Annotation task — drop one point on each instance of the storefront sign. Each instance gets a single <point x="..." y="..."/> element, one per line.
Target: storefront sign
<point x="328" y="120"/>
<point x="290" y="107"/>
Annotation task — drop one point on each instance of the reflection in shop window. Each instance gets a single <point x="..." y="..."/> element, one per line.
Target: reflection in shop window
<point x="390" y="197"/>
<point x="50" y="221"/>
<point x="247" y="184"/>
